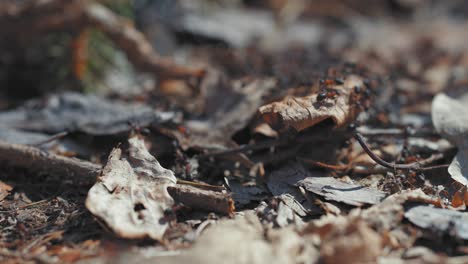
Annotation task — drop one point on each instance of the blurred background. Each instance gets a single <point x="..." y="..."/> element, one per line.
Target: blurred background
<point x="415" y="44"/>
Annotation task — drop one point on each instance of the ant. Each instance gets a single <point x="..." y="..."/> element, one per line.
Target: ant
<point x="327" y="93"/>
<point x="327" y="81"/>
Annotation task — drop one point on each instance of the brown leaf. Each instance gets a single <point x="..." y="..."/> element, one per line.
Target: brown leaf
<point x="457" y="200"/>
<point x="465" y="196"/>
<point x="244" y="240"/>
<point x="4" y="190"/>
<point x="130" y="196"/>
<point x="303" y="112"/>
<point x="356" y="243"/>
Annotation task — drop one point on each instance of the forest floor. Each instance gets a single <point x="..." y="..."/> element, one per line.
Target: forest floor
<point x="234" y="132"/>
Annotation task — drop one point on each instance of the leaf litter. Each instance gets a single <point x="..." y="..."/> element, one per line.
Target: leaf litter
<point x="262" y="160"/>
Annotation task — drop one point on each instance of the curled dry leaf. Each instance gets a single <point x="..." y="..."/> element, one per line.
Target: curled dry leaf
<point x="303" y="112"/>
<point x="130" y="196"/>
<point x="450" y="118"/>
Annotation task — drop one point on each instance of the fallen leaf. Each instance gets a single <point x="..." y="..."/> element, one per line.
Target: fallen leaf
<point x="244" y="194"/>
<point x="243" y="240"/>
<point x="355" y="243"/>
<point x="229" y="110"/>
<point x="457" y="200"/>
<point x="76" y="112"/>
<point x="303" y="112"/>
<point x="465" y="197"/>
<point x="131" y="194"/>
<point x="17" y="136"/>
<point x="336" y="190"/>
<point x="388" y="214"/>
<point x="444" y="220"/>
<point x="450" y="119"/>
<point x="4" y="190"/>
<point x="281" y="183"/>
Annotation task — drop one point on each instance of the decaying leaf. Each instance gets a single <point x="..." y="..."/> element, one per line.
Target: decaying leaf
<point x="356" y="242"/>
<point x="130" y="196"/>
<point x="336" y="190"/>
<point x="450" y="118"/>
<point x="389" y="213"/>
<point x="303" y="112"/>
<point x="281" y="183"/>
<point x="244" y="194"/>
<point x="229" y="110"/>
<point x="17" y="136"/>
<point x="85" y="113"/>
<point x="243" y="240"/>
<point x="444" y="220"/>
<point x="4" y="190"/>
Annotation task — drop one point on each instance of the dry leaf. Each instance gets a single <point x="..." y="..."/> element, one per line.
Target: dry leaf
<point x="450" y="118"/>
<point x="85" y="113"/>
<point x="389" y="213"/>
<point x="355" y="243"/>
<point x="4" y="190"/>
<point x="457" y="200"/>
<point x="130" y="196"/>
<point x="303" y="112"/>
<point x="444" y="220"/>
<point x="243" y="240"/>
<point x="336" y="190"/>
<point x="465" y="197"/>
<point x="281" y="183"/>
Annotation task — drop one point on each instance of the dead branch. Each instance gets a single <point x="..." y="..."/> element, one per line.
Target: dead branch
<point x="202" y="199"/>
<point x="37" y="160"/>
<point x="39" y="17"/>
<point x="416" y="166"/>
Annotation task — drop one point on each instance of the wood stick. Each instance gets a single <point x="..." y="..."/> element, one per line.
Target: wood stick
<point x="37" y="160"/>
<point x="202" y="199"/>
<point x="416" y="166"/>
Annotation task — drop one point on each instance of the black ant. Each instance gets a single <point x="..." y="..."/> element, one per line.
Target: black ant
<point x="327" y="93"/>
<point x="327" y="82"/>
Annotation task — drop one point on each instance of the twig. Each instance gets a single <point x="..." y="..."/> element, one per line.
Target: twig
<point x="324" y="165"/>
<point x="202" y="185"/>
<point x="202" y="199"/>
<point x="417" y="166"/>
<point x="272" y="143"/>
<point x="246" y="148"/>
<point x="37" y="160"/>
<point x="394" y="132"/>
<point x="50" y="139"/>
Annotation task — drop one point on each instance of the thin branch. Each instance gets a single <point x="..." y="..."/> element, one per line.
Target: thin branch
<point x="37" y="160"/>
<point x="417" y="166"/>
<point x="202" y="199"/>
<point x="324" y="165"/>
<point x="50" y="139"/>
<point x="273" y="143"/>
